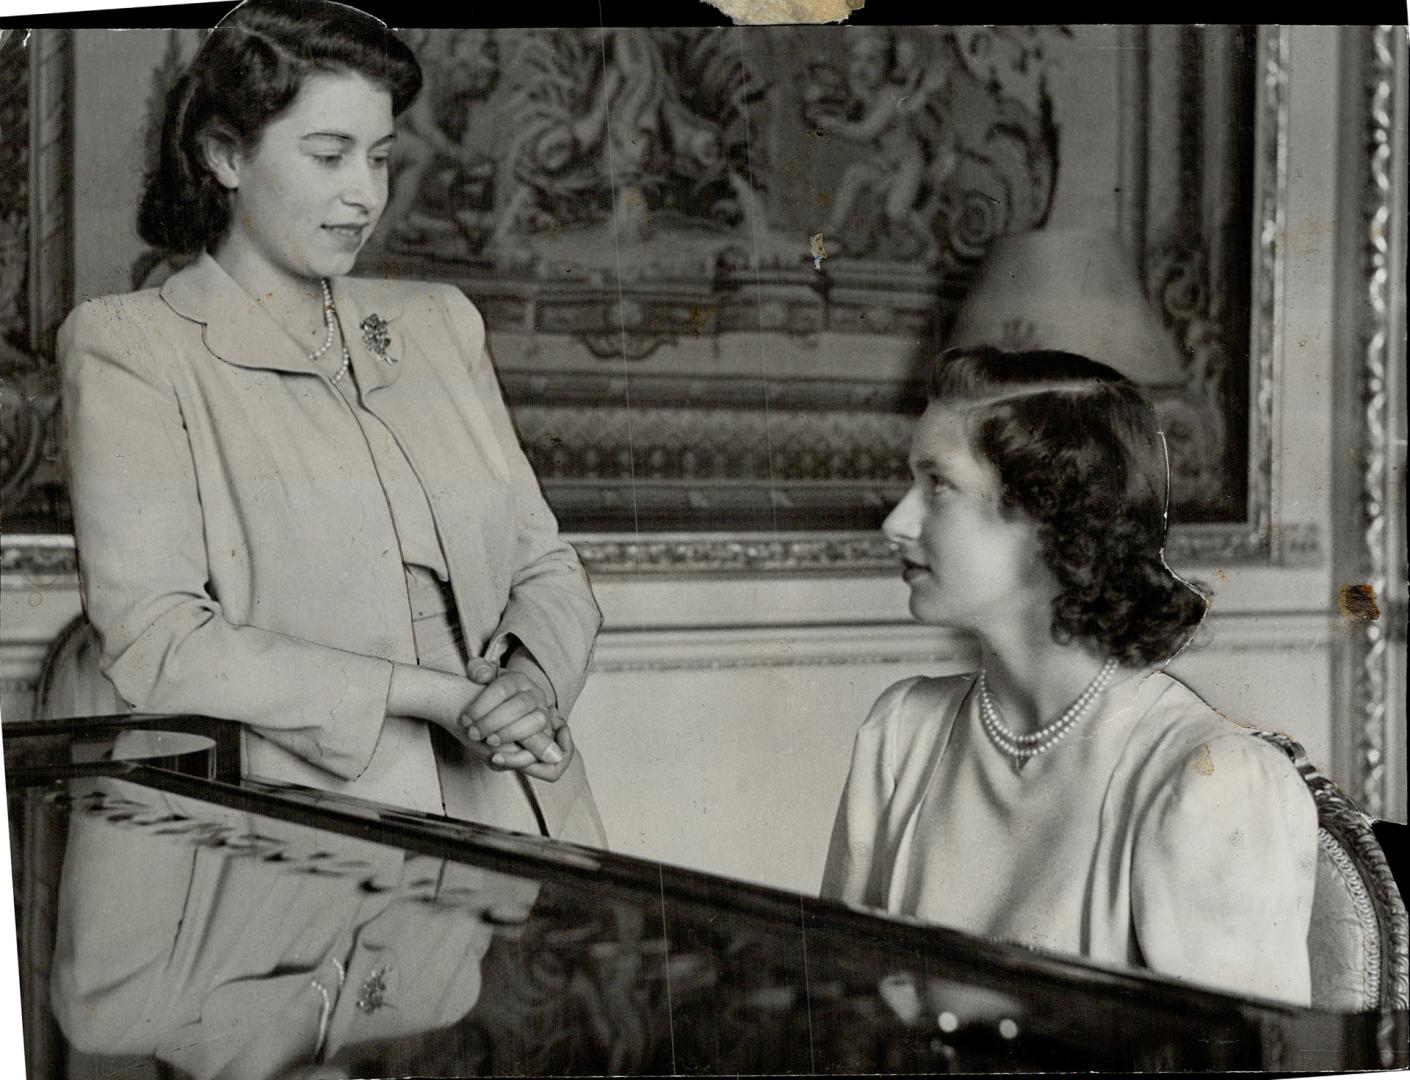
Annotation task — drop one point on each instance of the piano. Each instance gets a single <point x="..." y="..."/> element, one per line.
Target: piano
<point x="175" y="920"/>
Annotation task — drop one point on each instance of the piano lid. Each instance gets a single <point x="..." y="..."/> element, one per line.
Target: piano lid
<point x="241" y="929"/>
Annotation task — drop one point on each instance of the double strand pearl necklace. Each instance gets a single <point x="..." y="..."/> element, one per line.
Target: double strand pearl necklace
<point x="330" y="319"/>
<point x="1022" y="747"/>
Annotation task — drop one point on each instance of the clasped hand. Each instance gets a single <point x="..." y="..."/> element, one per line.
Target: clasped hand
<point x="512" y="725"/>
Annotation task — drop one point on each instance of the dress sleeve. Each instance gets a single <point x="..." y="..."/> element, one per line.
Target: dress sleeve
<point x="852" y="873"/>
<point x="166" y="645"/>
<point x="551" y="609"/>
<point x="1223" y="871"/>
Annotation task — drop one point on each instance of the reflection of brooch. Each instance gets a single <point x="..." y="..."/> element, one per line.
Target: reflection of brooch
<point x="375" y="336"/>
<point x="373" y="993"/>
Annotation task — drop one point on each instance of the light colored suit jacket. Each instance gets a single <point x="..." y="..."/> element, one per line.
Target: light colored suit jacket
<point x="236" y="550"/>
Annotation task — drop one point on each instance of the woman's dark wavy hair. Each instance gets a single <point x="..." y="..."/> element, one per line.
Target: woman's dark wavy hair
<point x="1079" y="451"/>
<point x="248" y="71"/>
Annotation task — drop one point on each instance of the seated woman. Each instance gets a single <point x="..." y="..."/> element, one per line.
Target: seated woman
<point x="299" y="500"/>
<point x="1070" y="794"/>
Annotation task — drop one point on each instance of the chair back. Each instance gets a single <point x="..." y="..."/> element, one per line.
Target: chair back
<point x="1357" y="941"/>
<point x="71" y="683"/>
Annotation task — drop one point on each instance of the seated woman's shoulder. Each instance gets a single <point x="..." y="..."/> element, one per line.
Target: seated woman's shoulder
<point x="918" y="699"/>
<point x="1198" y="747"/>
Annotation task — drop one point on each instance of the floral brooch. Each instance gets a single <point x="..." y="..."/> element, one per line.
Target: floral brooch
<point x="372" y="995"/>
<point x="376" y="337"/>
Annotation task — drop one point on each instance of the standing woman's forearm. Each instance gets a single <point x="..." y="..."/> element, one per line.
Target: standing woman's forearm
<point x="434" y="696"/>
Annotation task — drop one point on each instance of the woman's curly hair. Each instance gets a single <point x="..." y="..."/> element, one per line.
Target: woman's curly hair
<point x="249" y="70"/>
<point x="1078" y="450"/>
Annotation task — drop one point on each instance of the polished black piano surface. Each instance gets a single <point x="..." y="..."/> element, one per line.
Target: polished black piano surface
<point x="174" y="921"/>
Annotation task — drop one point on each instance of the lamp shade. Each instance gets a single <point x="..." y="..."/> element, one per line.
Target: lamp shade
<point x="1072" y="289"/>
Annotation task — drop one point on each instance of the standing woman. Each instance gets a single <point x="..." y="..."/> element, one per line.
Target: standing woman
<point x="1069" y="794"/>
<point x="299" y="500"/>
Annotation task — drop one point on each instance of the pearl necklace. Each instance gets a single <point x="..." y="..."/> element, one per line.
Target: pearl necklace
<point x="330" y="319"/>
<point x="1022" y="747"/>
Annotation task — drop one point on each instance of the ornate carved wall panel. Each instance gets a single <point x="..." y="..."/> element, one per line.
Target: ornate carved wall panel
<point x="1192" y="123"/>
<point x="628" y="206"/>
<point x="711" y="262"/>
<point x="35" y="257"/>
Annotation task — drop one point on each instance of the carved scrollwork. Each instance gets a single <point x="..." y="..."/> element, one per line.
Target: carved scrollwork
<point x="28" y="408"/>
<point x="153" y="266"/>
<point x="954" y="155"/>
<point x="631" y="131"/>
<point x="1190" y="228"/>
<point x="719" y="444"/>
<point x="623" y="345"/>
<point x="14" y="192"/>
<point x="648" y="151"/>
<point x="14" y="275"/>
<point x="1194" y="422"/>
<point x="29" y="450"/>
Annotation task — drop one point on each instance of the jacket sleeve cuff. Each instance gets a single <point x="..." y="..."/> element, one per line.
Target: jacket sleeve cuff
<point x="566" y="673"/>
<point x="345" y="744"/>
<point x="344" y="736"/>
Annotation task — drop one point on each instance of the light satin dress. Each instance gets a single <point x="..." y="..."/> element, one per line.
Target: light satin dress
<point x="1157" y="834"/>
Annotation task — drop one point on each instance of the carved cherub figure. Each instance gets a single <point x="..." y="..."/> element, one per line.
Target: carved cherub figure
<point x="888" y="88"/>
<point x="461" y="66"/>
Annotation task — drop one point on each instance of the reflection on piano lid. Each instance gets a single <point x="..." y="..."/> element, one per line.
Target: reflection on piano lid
<point x="243" y="929"/>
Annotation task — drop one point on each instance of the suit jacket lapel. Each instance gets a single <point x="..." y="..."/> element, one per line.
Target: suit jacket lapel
<point x="236" y="328"/>
<point x="379" y="328"/>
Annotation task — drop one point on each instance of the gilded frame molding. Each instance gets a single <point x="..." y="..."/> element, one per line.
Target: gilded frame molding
<point x="1381" y="432"/>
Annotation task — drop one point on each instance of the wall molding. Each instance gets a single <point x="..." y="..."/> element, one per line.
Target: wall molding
<point x="1299" y="544"/>
<point x="721" y="648"/>
<point x="1268" y="631"/>
<point x="30" y="557"/>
